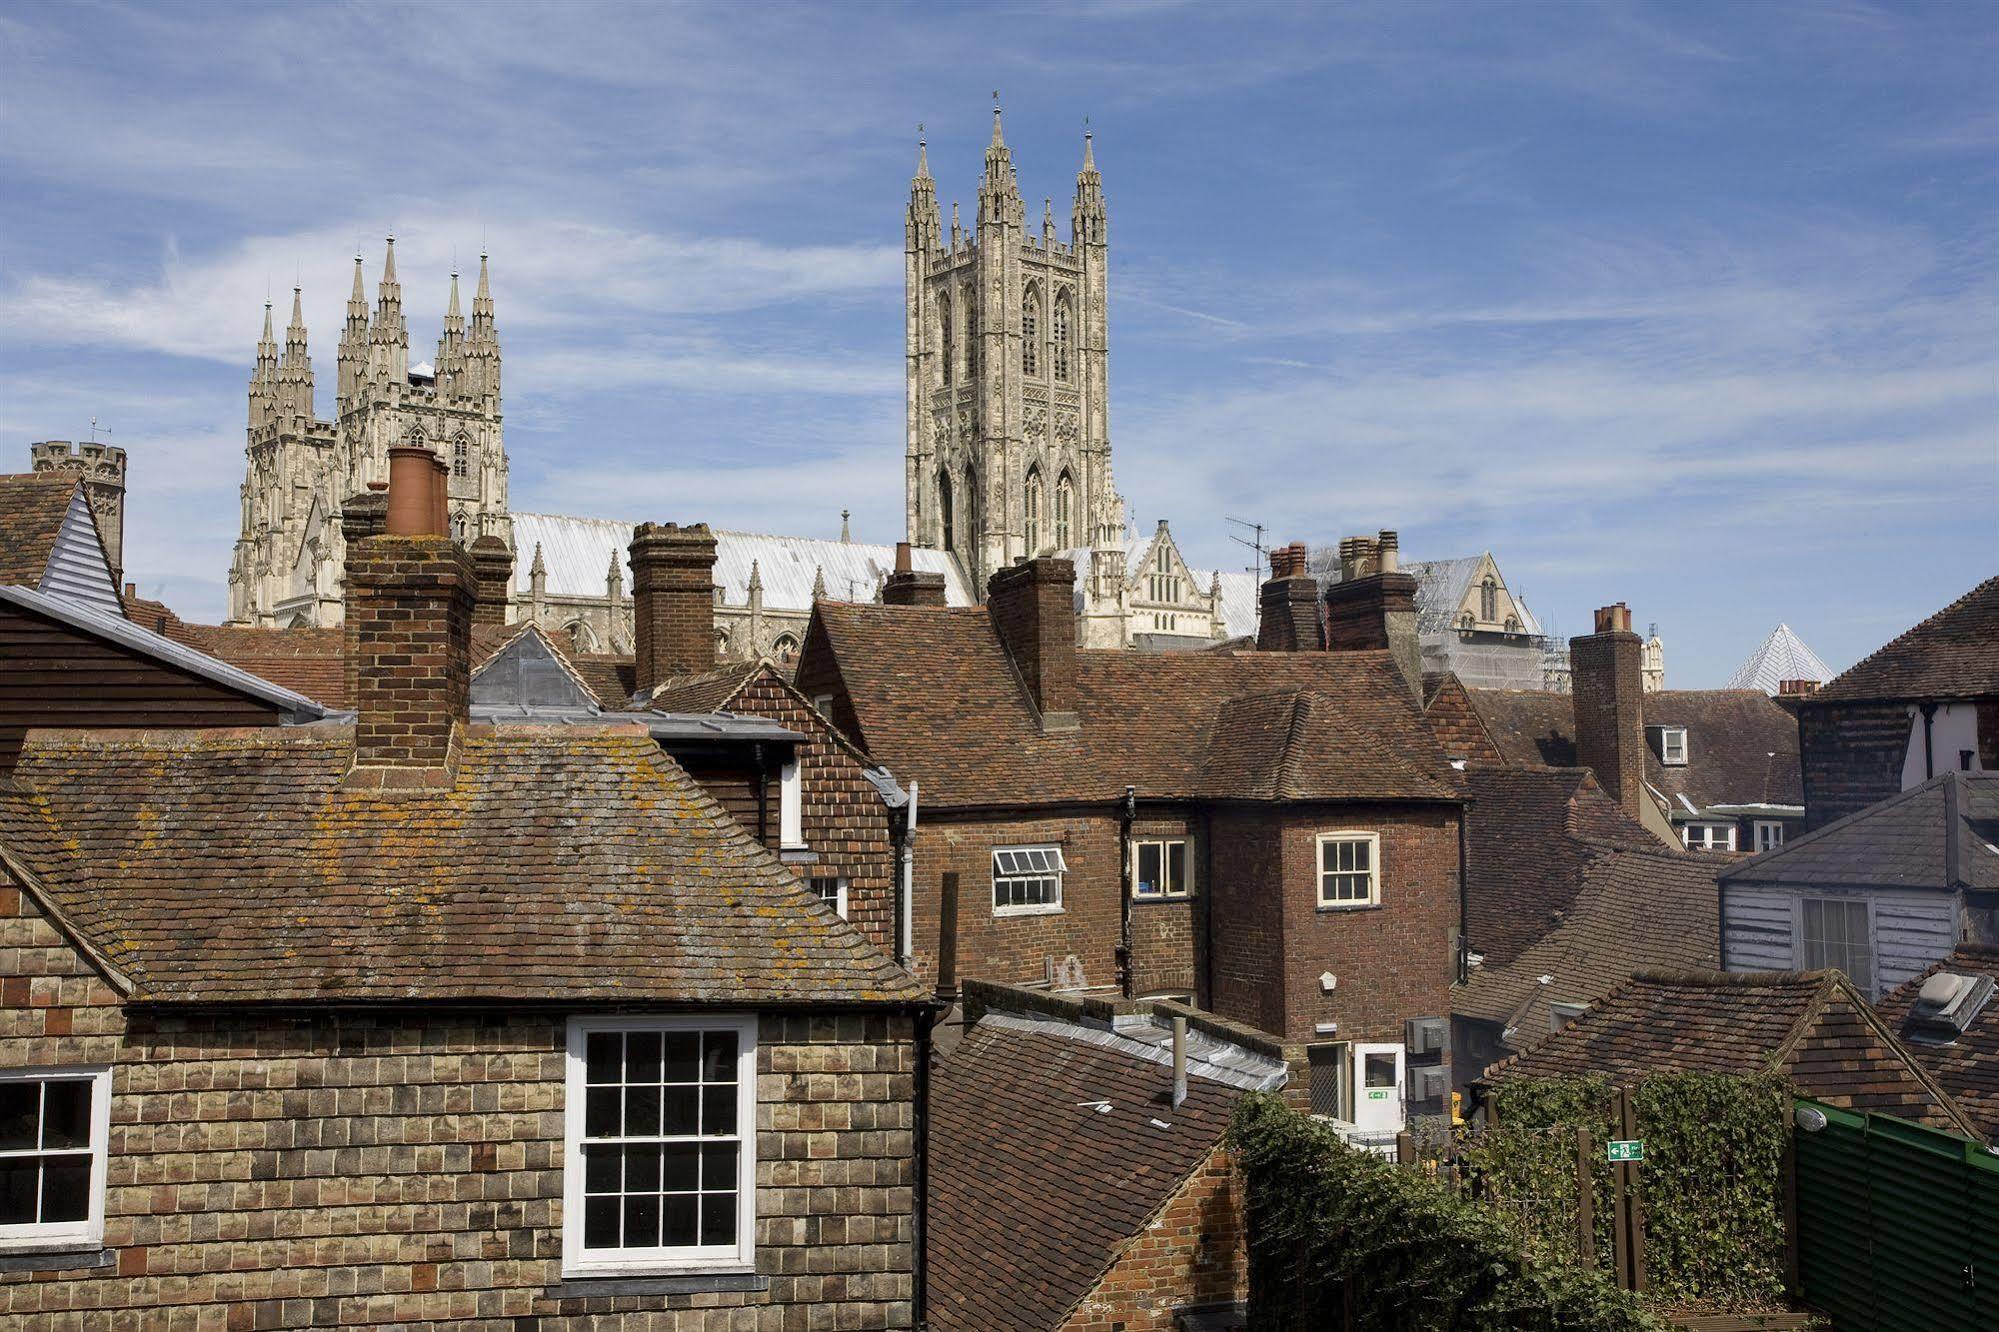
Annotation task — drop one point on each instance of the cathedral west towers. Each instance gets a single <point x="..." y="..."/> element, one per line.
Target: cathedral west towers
<point x="1008" y="444"/>
<point x="290" y="550"/>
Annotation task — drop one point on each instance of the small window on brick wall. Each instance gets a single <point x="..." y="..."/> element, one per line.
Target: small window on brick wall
<point x="831" y="890"/>
<point x="53" y="1129"/>
<point x="1159" y="867"/>
<point x="659" y="1171"/>
<point x="1027" y="880"/>
<point x="1349" y="869"/>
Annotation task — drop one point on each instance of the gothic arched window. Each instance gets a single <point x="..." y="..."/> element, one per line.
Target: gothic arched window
<point x="461" y="457"/>
<point x="1030" y="334"/>
<point x="945" y="515"/>
<point x="581" y="637"/>
<point x="785" y="648"/>
<point x="970" y="518"/>
<point x="975" y="346"/>
<point x="457" y="527"/>
<point x="1065" y="504"/>
<point x="1064" y="339"/>
<point x="944" y="334"/>
<point x="1465" y="622"/>
<point x="1032" y="508"/>
<point x="1488" y="600"/>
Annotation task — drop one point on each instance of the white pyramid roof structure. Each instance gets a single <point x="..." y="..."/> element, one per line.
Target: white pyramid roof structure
<point x="1783" y="656"/>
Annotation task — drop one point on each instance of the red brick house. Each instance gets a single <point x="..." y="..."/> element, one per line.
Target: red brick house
<point x="1273" y="835"/>
<point x="421" y="1021"/>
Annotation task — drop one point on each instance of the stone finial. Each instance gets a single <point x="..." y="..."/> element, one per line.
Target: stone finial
<point x="845" y="535"/>
<point x="818" y="581"/>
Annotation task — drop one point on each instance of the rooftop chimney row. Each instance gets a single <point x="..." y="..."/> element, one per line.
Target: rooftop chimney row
<point x="1608" y="684"/>
<point x="673" y="601"/>
<point x="1288" y="604"/>
<point x="1033" y="608"/>
<point x="907" y="587"/>
<point x="1373" y="606"/>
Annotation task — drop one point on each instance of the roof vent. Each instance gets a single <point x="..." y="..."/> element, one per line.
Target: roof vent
<point x="1946" y="1005"/>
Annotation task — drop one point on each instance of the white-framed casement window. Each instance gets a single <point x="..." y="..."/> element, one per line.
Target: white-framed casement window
<point x="1836" y="932"/>
<point x="1027" y="880"/>
<point x="55" y="1127"/>
<point x="1160" y="867"/>
<point x="1349" y="869"/>
<point x="1708" y="836"/>
<point x="1673" y="746"/>
<point x="659" y="1166"/>
<point x="1769" y="834"/>
<point x="790" y="806"/>
<point x="832" y="890"/>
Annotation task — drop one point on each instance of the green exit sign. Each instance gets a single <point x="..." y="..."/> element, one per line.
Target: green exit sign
<point x="1627" y="1149"/>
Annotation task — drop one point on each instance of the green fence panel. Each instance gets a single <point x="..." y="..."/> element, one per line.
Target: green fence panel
<point x="1898" y="1225"/>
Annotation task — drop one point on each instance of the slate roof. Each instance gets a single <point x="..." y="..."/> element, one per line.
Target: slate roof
<point x="563" y="864"/>
<point x="1032" y="1191"/>
<point x="1813" y="1028"/>
<point x="937" y="698"/>
<point x="1954" y="654"/>
<point x="1782" y="656"/>
<point x="1742" y="748"/>
<point x="1530" y="836"/>
<point x="1905" y="841"/>
<point x="32" y="508"/>
<point x="577" y="554"/>
<point x="1968" y="1067"/>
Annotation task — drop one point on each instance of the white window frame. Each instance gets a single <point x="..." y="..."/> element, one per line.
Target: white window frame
<point x="1667" y="735"/>
<point x="1774" y="827"/>
<point x="89" y="1232"/>
<point x="740" y="1257"/>
<point x="1172" y="892"/>
<point x="1708" y="831"/>
<point x="839" y="899"/>
<point x="1319" y="871"/>
<point x="1004" y="871"/>
<point x="790" y="806"/>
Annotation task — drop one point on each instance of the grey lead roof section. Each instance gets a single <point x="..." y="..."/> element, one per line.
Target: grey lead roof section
<point x="122" y="631"/>
<point x="1145" y="1038"/>
<point x="713" y="726"/>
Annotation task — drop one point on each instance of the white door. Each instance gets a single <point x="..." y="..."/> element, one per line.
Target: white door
<point x="1377" y="1081"/>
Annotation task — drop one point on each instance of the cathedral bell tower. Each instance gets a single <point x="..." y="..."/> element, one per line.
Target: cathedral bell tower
<point x="1008" y="445"/>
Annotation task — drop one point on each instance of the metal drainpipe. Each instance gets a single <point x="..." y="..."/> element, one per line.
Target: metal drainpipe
<point x="1127" y="811"/>
<point x="763" y="793"/>
<point x="920" y="1141"/>
<point x="1464" y="901"/>
<point x="1205" y="904"/>
<point x="904" y="928"/>
<point x="1929" y="711"/>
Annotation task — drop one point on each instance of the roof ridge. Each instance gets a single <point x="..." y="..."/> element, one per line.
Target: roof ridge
<point x="1920" y="625"/>
<point x="1844" y="821"/>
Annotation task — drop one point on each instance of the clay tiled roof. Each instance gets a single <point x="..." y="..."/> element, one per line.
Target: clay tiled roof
<point x="1631" y="911"/>
<point x="709" y="691"/>
<point x="1968" y="1067"/>
<point x="32" y="508"/>
<point x="563" y="864"/>
<point x="308" y="661"/>
<point x="1032" y="1191"/>
<point x="937" y="698"/>
<point x="1454" y="721"/>
<point x="1742" y="749"/>
<point x="1952" y="654"/>
<point x="1530" y="836"/>
<point x="611" y="678"/>
<point x="1811" y="1027"/>
<point x="1910" y="840"/>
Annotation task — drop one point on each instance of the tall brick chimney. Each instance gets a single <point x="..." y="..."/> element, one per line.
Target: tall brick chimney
<point x="493" y="563"/>
<point x="907" y="587"/>
<point x="1373" y="606"/>
<point x="1033" y="607"/>
<point x="1607" y="670"/>
<point x="1288" y="608"/>
<point x="673" y="601"/>
<point x="408" y="625"/>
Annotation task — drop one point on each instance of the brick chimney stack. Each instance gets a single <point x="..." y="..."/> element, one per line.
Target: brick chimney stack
<point x="408" y="626"/>
<point x="907" y="587"/>
<point x="1607" y="670"/>
<point x="673" y="601"/>
<point x="1373" y="606"/>
<point x="1288" y="607"/>
<point x="494" y="565"/>
<point x="1033" y="607"/>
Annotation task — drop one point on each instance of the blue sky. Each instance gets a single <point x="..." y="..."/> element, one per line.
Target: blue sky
<point x="1694" y="306"/>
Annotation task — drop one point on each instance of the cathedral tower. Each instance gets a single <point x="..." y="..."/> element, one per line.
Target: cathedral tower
<point x="1008" y="445"/>
<point x="291" y="551"/>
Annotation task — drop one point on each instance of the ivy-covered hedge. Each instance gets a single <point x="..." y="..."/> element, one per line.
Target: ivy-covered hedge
<point x="1340" y="1237"/>
<point x="1714" y="1147"/>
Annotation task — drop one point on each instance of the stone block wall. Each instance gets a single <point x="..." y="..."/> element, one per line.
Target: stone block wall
<point x="314" y="1169"/>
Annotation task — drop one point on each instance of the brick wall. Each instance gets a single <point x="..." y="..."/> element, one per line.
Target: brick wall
<point x="673" y="601"/>
<point x="845" y="820"/>
<point x="1606" y="670"/>
<point x="1272" y="942"/>
<point x="1851" y="755"/>
<point x="409" y="625"/>
<point x="1033" y="609"/>
<point x="405" y="1167"/>
<point x="1192" y="1253"/>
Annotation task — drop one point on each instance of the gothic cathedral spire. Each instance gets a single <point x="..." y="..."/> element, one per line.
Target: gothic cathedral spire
<point x="390" y="335"/>
<point x="294" y="402"/>
<point x="353" y="353"/>
<point x="264" y="379"/>
<point x="1008" y="447"/>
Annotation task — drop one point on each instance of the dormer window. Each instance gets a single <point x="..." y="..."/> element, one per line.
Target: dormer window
<point x="1673" y="746"/>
